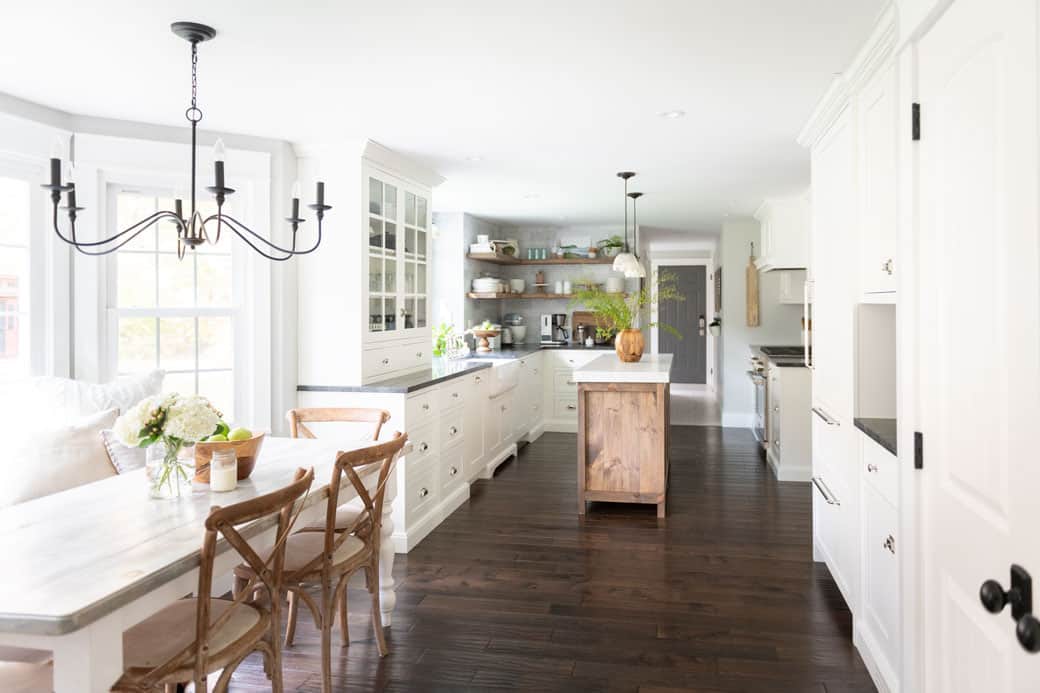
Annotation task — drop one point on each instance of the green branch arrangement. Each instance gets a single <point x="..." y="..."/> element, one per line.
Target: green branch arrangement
<point x="616" y="312"/>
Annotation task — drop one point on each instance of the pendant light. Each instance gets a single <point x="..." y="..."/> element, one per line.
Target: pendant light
<point x="625" y="261"/>
<point x="635" y="269"/>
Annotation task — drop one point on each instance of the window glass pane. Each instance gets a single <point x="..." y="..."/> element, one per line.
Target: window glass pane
<point x="409" y="208"/>
<point x="181" y="383"/>
<point x="420" y="313"/>
<point x="420" y="244"/>
<point x="216" y="343"/>
<point x="375" y="196"/>
<point x="136" y="350"/>
<point x="219" y="388"/>
<point x="15" y="204"/>
<point x="375" y="274"/>
<point x="390" y="207"/>
<point x="130" y="209"/>
<point x="409" y="241"/>
<point x="391" y="238"/>
<point x="409" y="277"/>
<point x="420" y="278"/>
<point x="177" y="343"/>
<point x="375" y="233"/>
<point x="390" y="313"/>
<point x="391" y="276"/>
<point x="420" y="213"/>
<point x="409" y="313"/>
<point x="135" y="280"/>
<point x="177" y="281"/>
<point x="214" y="277"/>
<point x="14" y="342"/>
<point x="375" y="315"/>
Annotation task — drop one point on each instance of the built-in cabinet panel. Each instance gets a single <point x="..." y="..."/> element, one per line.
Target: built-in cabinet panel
<point x="878" y="107"/>
<point x="784" y="224"/>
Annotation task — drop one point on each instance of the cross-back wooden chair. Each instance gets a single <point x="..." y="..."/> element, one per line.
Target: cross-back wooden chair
<point x="195" y="637"/>
<point x="299" y="418"/>
<point x="328" y="559"/>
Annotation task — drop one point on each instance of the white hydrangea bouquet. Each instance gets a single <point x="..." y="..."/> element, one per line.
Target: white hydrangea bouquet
<point x="166" y="425"/>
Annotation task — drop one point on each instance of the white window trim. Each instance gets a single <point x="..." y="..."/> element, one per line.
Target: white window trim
<point x="104" y="161"/>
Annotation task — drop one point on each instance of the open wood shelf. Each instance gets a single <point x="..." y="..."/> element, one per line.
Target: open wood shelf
<point x="475" y="294"/>
<point x="500" y="259"/>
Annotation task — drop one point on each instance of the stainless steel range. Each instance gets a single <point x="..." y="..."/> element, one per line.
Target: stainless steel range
<point x="761" y="397"/>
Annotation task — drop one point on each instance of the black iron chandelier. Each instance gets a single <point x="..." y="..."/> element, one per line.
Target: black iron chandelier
<point x="192" y="230"/>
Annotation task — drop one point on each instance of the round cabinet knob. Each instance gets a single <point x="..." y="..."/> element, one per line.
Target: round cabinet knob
<point x="477" y="379"/>
<point x="455" y="395"/>
<point x="452" y="431"/>
<point x="423" y="492"/>
<point x="423" y="447"/>
<point x="386" y="362"/>
<point x="1028" y="631"/>
<point x="872" y="468"/>
<point x="993" y="596"/>
<point x="453" y="471"/>
<point x="503" y="407"/>
<point x="426" y="406"/>
<point x="776" y="409"/>
<point x="890" y="544"/>
<point x="523" y="364"/>
<point x="536" y="371"/>
<point x="418" y="354"/>
<point x="887" y="266"/>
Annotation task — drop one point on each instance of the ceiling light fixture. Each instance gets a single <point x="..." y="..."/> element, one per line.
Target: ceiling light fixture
<point x="192" y="229"/>
<point x="672" y="115"/>
<point x="636" y="269"/>
<point x="625" y="261"/>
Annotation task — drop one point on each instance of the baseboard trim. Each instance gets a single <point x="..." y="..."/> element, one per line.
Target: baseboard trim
<point x="788" y="472"/>
<point x="494" y="462"/>
<point x="407" y="539"/>
<point x="880" y="670"/>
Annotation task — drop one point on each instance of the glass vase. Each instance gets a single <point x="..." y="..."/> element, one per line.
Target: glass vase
<point x="169" y="467"/>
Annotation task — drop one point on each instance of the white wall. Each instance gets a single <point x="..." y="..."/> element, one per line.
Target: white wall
<point x="780" y="324"/>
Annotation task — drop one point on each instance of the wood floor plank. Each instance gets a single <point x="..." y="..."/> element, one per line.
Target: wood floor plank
<point x="515" y="591"/>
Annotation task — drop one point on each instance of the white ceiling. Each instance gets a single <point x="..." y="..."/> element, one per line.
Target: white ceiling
<point x="553" y="97"/>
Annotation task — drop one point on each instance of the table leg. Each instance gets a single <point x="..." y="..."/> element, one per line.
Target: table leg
<point x="90" y="659"/>
<point x="387" y="596"/>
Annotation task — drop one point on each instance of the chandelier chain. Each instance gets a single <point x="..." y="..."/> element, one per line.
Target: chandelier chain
<point x="193" y="114"/>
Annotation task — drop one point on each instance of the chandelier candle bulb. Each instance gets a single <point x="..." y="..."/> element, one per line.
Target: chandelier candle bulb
<point x="218" y="150"/>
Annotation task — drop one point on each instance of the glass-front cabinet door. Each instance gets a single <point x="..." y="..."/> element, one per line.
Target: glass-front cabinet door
<point x="398" y="221"/>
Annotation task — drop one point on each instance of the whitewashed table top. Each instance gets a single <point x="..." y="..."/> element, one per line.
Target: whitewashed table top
<point x="652" y="368"/>
<point x="73" y="557"/>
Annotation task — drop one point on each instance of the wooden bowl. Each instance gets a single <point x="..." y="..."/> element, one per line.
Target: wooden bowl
<point x="246" y="451"/>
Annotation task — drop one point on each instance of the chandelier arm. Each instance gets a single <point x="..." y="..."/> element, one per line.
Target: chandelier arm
<point x="233" y="223"/>
<point x="144" y="224"/>
<point x="259" y="251"/>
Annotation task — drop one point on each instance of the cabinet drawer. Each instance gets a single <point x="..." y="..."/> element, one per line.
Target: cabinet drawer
<point x="421" y="407"/>
<point x="880" y="468"/>
<point x="565" y="408"/>
<point x="452" y="393"/>
<point x="451" y="429"/>
<point x="881" y="604"/>
<point x="421" y="494"/>
<point x="563" y="381"/>
<point x="452" y="472"/>
<point x="378" y="362"/>
<point x="424" y="446"/>
<point x="387" y="359"/>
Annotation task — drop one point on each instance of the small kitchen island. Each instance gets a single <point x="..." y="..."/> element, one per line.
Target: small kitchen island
<point x="623" y="430"/>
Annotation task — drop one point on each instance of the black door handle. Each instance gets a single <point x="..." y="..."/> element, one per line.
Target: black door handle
<point x="1020" y="596"/>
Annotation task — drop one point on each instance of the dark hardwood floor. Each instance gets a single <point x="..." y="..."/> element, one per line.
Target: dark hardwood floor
<point x="514" y="591"/>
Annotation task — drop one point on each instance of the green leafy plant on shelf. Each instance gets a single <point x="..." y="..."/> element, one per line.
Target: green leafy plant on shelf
<point x="616" y="312"/>
<point x="443" y="335"/>
<point x="611" y="246"/>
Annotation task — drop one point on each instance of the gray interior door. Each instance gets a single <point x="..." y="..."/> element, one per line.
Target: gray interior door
<point x="690" y="352"/>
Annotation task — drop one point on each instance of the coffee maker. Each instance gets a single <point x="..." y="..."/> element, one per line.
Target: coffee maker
<point x="554" y="329"/>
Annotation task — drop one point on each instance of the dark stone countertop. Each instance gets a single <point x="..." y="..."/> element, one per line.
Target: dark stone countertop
<point x="442" y="370"/>
<point x="881" y="431"/>
<point x="779" y="361"/>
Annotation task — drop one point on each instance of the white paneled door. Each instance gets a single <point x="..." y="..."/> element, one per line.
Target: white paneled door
<point x="980" y="338"/>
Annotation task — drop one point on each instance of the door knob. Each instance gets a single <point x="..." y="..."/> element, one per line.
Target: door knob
<point x="1020" y="596"/>
<point x="993" y="596"/>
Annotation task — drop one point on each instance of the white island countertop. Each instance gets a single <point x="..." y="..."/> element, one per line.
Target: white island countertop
<point x="652" y="368"/>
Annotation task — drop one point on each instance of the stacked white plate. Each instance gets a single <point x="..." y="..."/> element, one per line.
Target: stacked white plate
<point x="487" y="285"/>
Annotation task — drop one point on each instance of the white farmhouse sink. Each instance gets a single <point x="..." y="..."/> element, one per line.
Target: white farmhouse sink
<point x="505" y="375"/>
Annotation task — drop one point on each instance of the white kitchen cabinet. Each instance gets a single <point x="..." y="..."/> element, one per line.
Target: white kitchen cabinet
<point x="789" y="433"/>
<point x="784" y="225"/>
<point x="878" y="108"/>
<point x="560" y="393"/>
<point x="792" y="286"/>
<point x="474" y="407"/>
<point x="529" y="397"/>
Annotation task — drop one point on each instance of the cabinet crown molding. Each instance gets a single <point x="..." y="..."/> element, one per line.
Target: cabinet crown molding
<point x="871" y="57"/>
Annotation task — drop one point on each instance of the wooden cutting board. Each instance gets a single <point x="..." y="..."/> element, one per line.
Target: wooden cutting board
<point x="583" y="317"/>
<point x="753" y="319"/>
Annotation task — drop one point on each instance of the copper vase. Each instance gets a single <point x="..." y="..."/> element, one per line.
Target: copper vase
<point x="629" y="345"/>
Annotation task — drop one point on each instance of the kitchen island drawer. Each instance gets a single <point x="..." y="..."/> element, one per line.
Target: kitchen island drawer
<point x="565" y="408"/>
<point x="563" y="382"/>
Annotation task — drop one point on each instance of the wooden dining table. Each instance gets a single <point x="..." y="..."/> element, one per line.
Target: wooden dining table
<point x="80" y="567"/>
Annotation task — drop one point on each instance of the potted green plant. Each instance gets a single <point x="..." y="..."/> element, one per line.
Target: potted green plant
<point x="617" y="313"/>
<point x="610" y="247"/>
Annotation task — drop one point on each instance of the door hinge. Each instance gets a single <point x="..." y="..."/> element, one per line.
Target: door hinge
<point x="918" y="450"/>
<point x="915" y="122"/>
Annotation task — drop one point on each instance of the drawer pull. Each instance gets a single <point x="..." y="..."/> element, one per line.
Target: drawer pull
<point x="536" y="371"/>
<point x="423" y="492"/>
<point x="477" y="379"/>
<point x="572" y="407"/>
<point x="872" y="468"/>
<point x="886" y="267"/>
<point x="776" y="408"/>
<point x="523" y="364"/>
<point x="386" y="362"/>
<point x="455" y="395"/>
<point x="503" y="407"/>
<point x="453" y="471"/>
<point x="828" y="419"/>
<point x="452" y="431"/>
<point x="426" y="406"/>
<point x="824" y="491"/>
<point x="418" y="354"/>
<point x="890" y="544"/>
<point x="423" y="447"/>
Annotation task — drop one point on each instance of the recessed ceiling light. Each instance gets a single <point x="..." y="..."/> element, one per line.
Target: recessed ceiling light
<point x="672" y="115"/>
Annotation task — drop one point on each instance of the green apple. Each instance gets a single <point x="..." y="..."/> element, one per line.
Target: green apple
<point x="217" y="438"/>
<point x="240" y="434"/>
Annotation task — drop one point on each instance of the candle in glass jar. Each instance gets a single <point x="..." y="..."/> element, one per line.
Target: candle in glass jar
<point x="223" y="471"/>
